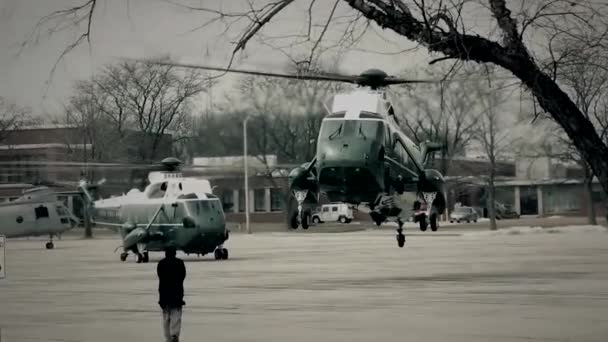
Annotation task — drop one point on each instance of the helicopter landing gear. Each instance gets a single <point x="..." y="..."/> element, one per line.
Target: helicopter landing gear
<point x="50" y="245"/>
<point x="400" y="236"/>
<point x="377" y="217"/>
<point x="301" y="217"/>
<point x="140" y="257"/>
<point x="220" y="253"/>
<point x="429" y="198"/>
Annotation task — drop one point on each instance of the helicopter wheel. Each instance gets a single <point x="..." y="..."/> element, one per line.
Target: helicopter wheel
<point x="293" y="221"/>
<point x="123" y="256"/>
<point x="146" y="257"/>
<point x="50" y="245"/>
<point x="377" y="218"/>
<point x="400" y="236"/>
<point x="140" y="258"/>
<point x="224" y="254"/>
<point x="305" y="220"/>
<point x="423" y="223"/>
<point x="400" y="240"/>
<point x="218" y="254"/>
<point x="433" y="220"/>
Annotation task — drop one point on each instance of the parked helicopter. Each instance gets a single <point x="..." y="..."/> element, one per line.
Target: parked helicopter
<point x="173" y="210"/>
<point x="362" y="156"/>
<point x="37" y="212"/>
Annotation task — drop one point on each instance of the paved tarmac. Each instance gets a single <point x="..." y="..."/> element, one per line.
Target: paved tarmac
<point x="479" y="286"/>
<point x="484" y="223"/>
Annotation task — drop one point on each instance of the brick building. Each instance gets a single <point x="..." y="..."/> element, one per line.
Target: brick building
<point x="51" y="155"/>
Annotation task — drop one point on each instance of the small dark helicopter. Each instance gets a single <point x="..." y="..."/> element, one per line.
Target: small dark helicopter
<point x="363" y="157"/>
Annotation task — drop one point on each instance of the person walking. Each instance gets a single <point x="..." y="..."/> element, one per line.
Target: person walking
<point x="171" y="273"/>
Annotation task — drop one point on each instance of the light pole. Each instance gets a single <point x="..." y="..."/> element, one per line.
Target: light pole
<point x="246" y="175"/>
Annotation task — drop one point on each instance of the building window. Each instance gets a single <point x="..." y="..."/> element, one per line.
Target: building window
<point x="228" y="200"/>
<point x="259" y="200"/>
<point x="276" y="200"/>
<point x="558" y="199"/>
<point x="598" y="196"/>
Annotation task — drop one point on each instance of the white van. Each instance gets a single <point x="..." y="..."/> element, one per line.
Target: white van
<point x="333" y="212"/>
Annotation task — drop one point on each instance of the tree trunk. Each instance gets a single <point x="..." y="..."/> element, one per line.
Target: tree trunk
<point x="589" y="194"/>
<point x="492" y="202"/>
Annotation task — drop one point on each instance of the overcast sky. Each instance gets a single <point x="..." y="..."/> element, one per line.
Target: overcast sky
<point x="148" y="28"/>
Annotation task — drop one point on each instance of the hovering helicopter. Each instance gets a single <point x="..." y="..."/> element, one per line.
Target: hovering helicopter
<point x="171" y="211"/>
<point x="362" y="156"/>
<point x="37" y="212"/>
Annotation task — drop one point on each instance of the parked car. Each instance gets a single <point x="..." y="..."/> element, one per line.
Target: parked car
<point x="506" y="212"/>
<point x="333" y="212"/>
<point x="461" y="214"/>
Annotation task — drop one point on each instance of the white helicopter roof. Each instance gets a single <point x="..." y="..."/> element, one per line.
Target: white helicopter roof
<point x="164" y="186"/>
<point x="358" y="101"/>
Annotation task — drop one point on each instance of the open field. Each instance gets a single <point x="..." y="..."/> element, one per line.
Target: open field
<point x="464" y="285"/>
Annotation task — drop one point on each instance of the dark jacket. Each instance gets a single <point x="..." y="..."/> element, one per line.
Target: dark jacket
<point x="171" y="274"/>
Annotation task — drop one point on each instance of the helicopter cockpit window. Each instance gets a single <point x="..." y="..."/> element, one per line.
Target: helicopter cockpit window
<point x="387" y="137"/>
<point x="370" y="129"/>
<point x="331" y="129"/>
<point x="365" y="129"/>
<point x="369" y="115"/>
<point x="205" y="207"/>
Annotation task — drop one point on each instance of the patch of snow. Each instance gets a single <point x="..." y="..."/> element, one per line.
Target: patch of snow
<point x="521" y="230"/>
<point x="554" y="217"/>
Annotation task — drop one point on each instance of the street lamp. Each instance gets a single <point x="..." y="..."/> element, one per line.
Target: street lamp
<point x="246" y="175"/>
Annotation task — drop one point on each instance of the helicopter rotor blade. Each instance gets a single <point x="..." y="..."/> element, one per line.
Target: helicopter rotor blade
<point x="376" y="78"/>
<point x="391" y="81"/>
<point x="300" y="76"/>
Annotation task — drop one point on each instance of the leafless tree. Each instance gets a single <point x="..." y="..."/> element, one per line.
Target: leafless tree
<point x="130" y="98"/>
<point x="12" y="117"/>
<point x="494" y="136"/>
<point x="99" y="135"/>
<point x="445" y="114"/>
<point x="157" y="98"/>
